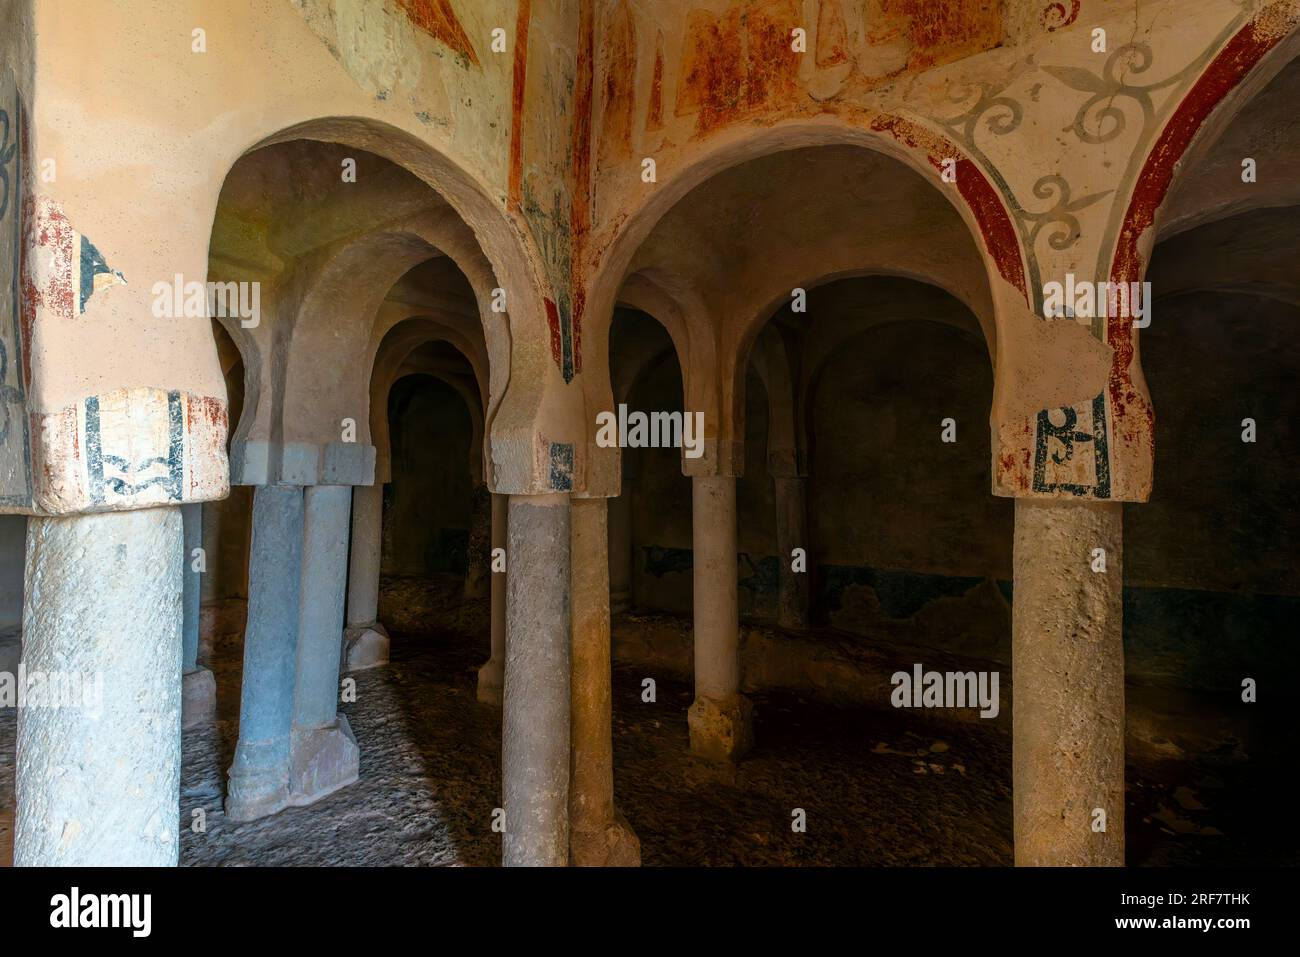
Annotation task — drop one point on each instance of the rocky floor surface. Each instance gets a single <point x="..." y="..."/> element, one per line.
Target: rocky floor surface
<point x="875" y="787"/>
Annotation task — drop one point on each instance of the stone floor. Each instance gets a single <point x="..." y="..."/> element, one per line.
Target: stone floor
<point x="877" y="787"/>
<point x="430" y="778"/>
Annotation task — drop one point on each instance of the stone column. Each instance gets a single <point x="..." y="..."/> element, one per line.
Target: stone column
<point x="491" y="676"/>
<point x="259" y="777"/>
<point x="478" y="553"/>
<point x="535" y="719"/>
<point x="791" y="533"/>
<point x="98" y="777"/>
<point x="620" y="549"/>
<point x="324" y="755"/>
<point x="1067" y="662"/>
<point x="198" y="687"/>
<point x="599" y="836"/>
<point x="365" y="642"/>
<point x="721" y="717"/>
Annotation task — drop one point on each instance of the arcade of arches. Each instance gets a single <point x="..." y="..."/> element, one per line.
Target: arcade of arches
<point x="314" y="549"/>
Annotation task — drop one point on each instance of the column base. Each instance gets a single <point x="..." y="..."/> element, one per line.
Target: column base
<point x="491" y="682"/>
<point x="365" y="646"/>
<point x="614" y="845"/>
<point x="198" y="698"/>
<point x="255" y="790"/>
<point x="721" y="730"/>
<point x="322" y="761"/>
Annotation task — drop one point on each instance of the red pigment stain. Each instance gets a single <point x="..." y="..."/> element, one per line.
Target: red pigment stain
<point x="516" y="182"/>
<point x="618" y="61"/>
<point x="438" y="20"/>
<point x="553" y="320"/>
<point x="1011" y="474"/>
<point x="832" y="35"/>
<point x="580" y="190"/>
<point x="1224" y="73"/>
<point x="212" y="420"/>
<point x="773" y="68"/>
<point x="981" y="198"/>
<point x="27" y="307"/>
<point x="46" y="227"/>
<point x="189" y="430"/>
<point x="654" y="119"/>
<point x="943" y="32"/>
<point x="999" y="234"/>
<point x="1056" y="17"/>
<point x="579" y="304"/>
<point x="712" y="74"/>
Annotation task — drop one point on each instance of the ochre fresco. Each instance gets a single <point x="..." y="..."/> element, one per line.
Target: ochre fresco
<point x="943" y="32"/>
<point x="580" y="154"/>
<point x="711" y="76"/>
<point x="772" y="66"/>
<point x="439" y="20"/>
<point x="619" y="86"/>
<point x="832" y="36"/>
<point x="520" y="78"/>
<point x="739" y="63"/>
<point x="654" y="118"/>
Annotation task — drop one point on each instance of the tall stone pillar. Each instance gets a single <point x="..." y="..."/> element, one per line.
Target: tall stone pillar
<point x="598" y="836"/>
<point x="791" y="533"/>
<point x="478" y="554"/>
<point x="620" y="549"/>
<point x="198" y="686"/>
<point x="324" y="755"/>
<point x="365" y="642"/>
<point x="535" y="719"/>
<point x="98" y="775"/>
<point x="259" y="776"/>
<point x="1067" y="662"/>
<point x="491" y="676"/>
<point x="721" y="717"/>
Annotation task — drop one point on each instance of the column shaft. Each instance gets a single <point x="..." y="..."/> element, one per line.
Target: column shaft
<point x="192" y="518"/>
<point x="491" y="676"/>
<point x="324" y="753"/>
<point x="198" y="686"/>
<point x="365" y="643"/>
<point x="320" y="602"/>
<point x="259" y="777"/>
<point x="598" y="836"/>
<point x="720" y="718"/>
<point x="1068" y="696"/>
<point x="98" y="777"/>
<point x="535" y="720"/>
<point x="363" y="570"/>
